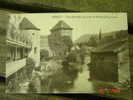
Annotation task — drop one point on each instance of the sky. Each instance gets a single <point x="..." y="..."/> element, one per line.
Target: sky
<point x="82" y="23"/>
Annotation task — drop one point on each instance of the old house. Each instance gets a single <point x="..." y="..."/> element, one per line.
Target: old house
<point x="31" y="32"/>
<point x="109" y="61"/>
<point x="104" y="66"/>
<point x="60" y="39"/>
<point x="19" y="40"/>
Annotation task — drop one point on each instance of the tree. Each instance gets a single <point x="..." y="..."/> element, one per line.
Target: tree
<point x="92" y="41"/>
<point x="44" y="54"/>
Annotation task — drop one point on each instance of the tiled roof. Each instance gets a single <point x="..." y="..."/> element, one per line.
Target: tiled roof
<point x="27" y="25"/>
<point x="111" y="47"/>
<point x="61" y="25"/>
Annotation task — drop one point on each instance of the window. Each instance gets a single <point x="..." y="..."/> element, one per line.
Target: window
<point x="35" y="50"/>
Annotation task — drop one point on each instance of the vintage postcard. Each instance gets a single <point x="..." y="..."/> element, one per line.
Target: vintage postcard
<point x="65" y="52"/>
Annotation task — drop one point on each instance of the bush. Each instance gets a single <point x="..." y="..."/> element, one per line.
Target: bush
<point x="30" y="62"/>
<point x="30" y="65"/>
<point x="44" y="54"/>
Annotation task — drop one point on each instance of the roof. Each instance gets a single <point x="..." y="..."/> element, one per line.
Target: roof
<point x="27" y="25"/>
<point x="61" y="25"/>
<point x="83" y="39"/>
<point x="115" y="47"/>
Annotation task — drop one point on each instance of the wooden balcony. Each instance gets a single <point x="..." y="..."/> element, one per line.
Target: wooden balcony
<point x="17" y="43"/>
<point x="14" y="66"/>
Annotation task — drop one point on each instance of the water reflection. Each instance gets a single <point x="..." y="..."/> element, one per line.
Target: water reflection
<point x="81" y="84"/>
<point x="58" y="76"/>
<point x="77" y="81"/>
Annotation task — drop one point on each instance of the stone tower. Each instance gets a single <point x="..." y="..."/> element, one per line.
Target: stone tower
<point x="60" y="39"/>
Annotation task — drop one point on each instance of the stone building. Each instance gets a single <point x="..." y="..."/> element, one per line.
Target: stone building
<point x="17" y="46"/>
<point x="31" y="33"/>
<point x="104" y="66"/>
<point x="19" y="40"/>
<point x="60" y="39"/>
<point x="110" y="61"/>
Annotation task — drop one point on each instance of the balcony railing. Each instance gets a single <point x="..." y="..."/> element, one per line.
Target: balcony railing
<point x="14" y="66"/>
<point x="18" y="43"/>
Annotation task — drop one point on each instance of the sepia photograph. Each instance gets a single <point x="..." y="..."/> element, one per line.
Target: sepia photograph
<point x="65" y="52"/>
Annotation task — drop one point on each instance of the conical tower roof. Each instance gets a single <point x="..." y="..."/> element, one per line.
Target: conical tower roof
<point x="27" y="25"/>
<point x="61" y="25"/>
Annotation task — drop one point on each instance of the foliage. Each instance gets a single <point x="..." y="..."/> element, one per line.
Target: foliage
<point x="30" y="62"/>
<point x="92" y="41"/>
<point x="71" y="65"/>
<point x="44" y="54"/>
